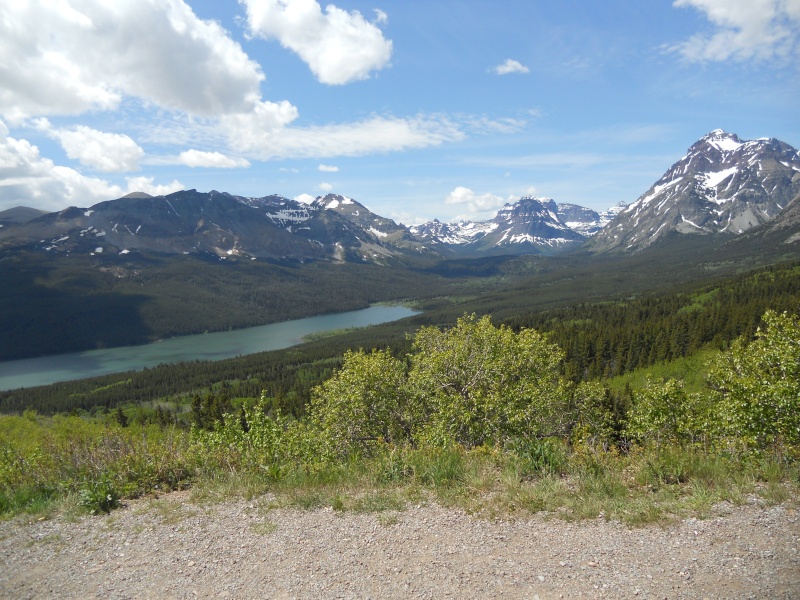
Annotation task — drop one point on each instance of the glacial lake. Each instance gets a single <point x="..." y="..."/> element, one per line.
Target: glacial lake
<point x="31" y="372"/>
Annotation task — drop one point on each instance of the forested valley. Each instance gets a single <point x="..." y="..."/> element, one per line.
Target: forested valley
<point x="690" y="384"/>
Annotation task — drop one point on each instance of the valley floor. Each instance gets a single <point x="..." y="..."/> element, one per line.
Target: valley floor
<point x="174" y="548"/>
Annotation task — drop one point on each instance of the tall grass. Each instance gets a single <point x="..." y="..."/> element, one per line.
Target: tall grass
<point x="43" y="460"/>
<point x="47" y="463"/>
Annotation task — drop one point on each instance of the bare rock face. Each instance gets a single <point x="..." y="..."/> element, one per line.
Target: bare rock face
<point x="722" y="186"/>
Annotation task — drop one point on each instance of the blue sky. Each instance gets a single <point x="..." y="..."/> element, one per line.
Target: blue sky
<point x="418" y="109"/>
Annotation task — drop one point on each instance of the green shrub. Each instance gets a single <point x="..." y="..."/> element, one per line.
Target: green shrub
<point x="539" y="457"/>
<point x="664" y="413"/>
<point x="757" y="386"/>
<point x="98" y="496"/>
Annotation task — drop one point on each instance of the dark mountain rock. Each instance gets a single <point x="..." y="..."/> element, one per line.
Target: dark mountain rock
<point x="220" y="225"/>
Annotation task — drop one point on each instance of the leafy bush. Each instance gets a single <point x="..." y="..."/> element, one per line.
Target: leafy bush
<point x="362" y="403"/>
<point x="478" y="384"/>
<point x="664" y="413"/>
<point x="757" y="386"/>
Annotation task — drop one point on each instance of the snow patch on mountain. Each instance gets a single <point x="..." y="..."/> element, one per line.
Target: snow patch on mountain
<point x="378" y="233"/>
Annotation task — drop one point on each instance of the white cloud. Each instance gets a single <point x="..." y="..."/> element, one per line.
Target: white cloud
<point x="381" y="18"/>
<point x="510" y="66"/>
<point x="484" y="125"/>
<point x="328" y="168"/>
<point x="198" y="158"/>
<point x="474" y="202"/>
<point x="268" y="134"/>
<point x="26" y="178"/>
<point x="249" y="131"/>
<point x="325" y="187"/>
<point x="305" y="198"/>
<point x="146" y="185"/>
<point x="63" y="60"/>
<point x="745" y="29"/>
<point x="338" y="46"/>
<point x="371" y="136"/>
<point x="106" y="152"/>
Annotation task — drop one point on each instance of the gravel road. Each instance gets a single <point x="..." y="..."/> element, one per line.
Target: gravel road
<point x="172" y="548"/>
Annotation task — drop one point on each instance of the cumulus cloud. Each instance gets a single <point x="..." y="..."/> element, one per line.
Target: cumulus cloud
<point x="744" y="30"/>
<point x="249" y="131"/>
<point x="474" y="202"/>
<point x="99" y="150"/>
<point x="328" y="168"/>
<point x="338" y="46"/>
<point x="60" y="59"/>
<point x="305" y="198"/>
<point x="198" y="158"/>
<point x="510" y="66"/>
<point x="147" y="185"/>
<point x="325" y="187"/>
<point x="26" y="178"/>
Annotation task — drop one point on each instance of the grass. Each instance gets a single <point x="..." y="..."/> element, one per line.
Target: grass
<point x="642" y="488"/>
<point x="69" y="466"/>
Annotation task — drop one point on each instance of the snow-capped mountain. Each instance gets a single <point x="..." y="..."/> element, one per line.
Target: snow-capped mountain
<point x="332" y="227"/>
<point x="530" y="225"/>
<point x="584" y="220"/>
<point x="722" y="185"/>
<point x="218" y="224"/>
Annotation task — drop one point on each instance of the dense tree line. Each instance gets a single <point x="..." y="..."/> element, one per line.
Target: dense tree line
<point x="476" y="385"/>
<point x="608" y="339"/>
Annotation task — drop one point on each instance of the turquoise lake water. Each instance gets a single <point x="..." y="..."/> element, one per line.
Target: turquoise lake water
<point x="207" y="346"/>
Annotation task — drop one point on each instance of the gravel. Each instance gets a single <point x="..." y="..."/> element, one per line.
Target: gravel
<point x="173" y="548"/>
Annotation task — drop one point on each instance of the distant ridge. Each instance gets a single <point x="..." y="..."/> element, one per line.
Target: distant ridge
<point x="136" y="195"/>
<point x="20" y="214"/>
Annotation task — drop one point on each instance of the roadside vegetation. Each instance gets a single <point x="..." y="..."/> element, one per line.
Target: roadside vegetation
<point x="475" y="415"/>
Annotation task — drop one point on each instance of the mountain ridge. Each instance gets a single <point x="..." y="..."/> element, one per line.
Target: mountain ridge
<point x="722" y="185"/>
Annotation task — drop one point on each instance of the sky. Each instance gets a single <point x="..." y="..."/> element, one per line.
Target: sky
<point x="418" y="109"/>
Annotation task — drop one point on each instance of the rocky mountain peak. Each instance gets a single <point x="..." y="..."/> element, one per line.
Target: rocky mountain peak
<point x="722" y="185"/>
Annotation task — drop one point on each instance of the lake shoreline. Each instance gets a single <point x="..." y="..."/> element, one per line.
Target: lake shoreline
<point x="45" y="370"/>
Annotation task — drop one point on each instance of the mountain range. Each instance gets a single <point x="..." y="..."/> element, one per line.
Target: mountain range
<point x="722" y="186"/>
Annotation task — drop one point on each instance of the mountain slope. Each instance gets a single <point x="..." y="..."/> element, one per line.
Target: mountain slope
<point x="19" y="214"/>
<point x="185" y="222"/>
<point x="723" y="185"/>
<point x="584" y="220"/>
<point x="219" y="225"/>
<point x="781" y="234"/>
